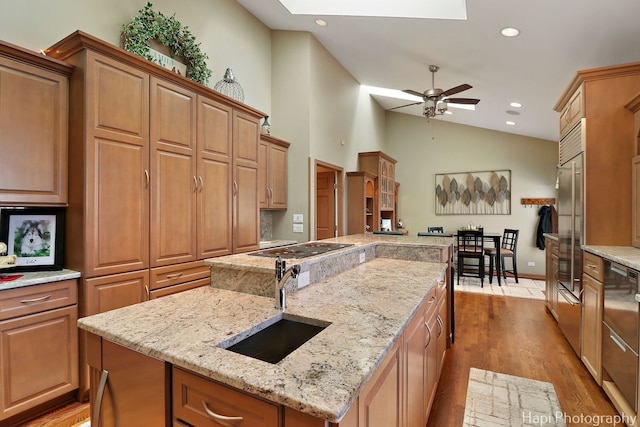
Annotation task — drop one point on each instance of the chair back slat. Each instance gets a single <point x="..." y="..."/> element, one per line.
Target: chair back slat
<point x="435" y="229"/>
<point x="510" y="239"/>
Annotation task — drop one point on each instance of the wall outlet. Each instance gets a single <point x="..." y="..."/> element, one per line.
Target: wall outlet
<point x="298" y="228"/>
<point x="362" y="257"/>
<point x="303" y="279"/>
<point x="298" y="218"/>
<point x="531" y="264"/>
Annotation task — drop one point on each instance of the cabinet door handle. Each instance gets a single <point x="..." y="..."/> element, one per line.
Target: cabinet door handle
<point x="28" y="301"/>
<point x="429" y="330"/>
<point x="147" y="178"/>
<point x="195" y="181"/>
<point x="99" y="395"/>
<point x="441" y="324"/>
<point x="235" y="188"/>
<point x="432" y="300"/>
<point x="221" y="419"/>
<point x="201" y="182"/>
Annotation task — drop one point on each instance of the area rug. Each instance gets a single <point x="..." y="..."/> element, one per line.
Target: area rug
<point x="495" y="399"/>
<point x="526" y="288"/>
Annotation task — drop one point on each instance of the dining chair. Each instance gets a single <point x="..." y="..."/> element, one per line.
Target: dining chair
<point x="508" y="249"/>
<point x="435" y="229"/>
<point x="470" y="253"/>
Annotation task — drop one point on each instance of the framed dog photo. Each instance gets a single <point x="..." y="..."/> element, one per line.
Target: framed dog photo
<point x="35" y="236"/>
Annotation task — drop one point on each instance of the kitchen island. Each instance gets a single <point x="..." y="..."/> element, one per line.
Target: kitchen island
<point x="367" y="308"/>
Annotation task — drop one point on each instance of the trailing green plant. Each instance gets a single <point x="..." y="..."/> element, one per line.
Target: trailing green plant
<point x="149" y="25"/>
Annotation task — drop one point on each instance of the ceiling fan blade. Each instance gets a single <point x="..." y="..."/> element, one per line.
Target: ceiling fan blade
<point x="462" y="101"/>
<point x="456" y="89"/>
<point x="406" y="105"/>
<point x="414" y="93"/>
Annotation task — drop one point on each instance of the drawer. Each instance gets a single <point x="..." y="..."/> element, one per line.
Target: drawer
<point x="593" y="265"/>
<point x="161" y="277"/>
<point x="34" y="299"/>
<point x="194" y="395"/>
<point x="179" y="288"/>
<point x="431" y="302"/>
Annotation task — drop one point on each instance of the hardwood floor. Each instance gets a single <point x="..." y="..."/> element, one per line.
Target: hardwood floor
<point x="518" y="337"/>
<point x="70" y="415"/>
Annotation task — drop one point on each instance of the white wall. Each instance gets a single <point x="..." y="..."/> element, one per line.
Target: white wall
<point x="424" y="148"/>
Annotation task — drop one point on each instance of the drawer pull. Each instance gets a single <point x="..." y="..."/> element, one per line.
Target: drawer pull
<point x="221" y="419"/>
<point x="174" y="275"/>
<point x="432" y="300"/>
<point x="28" y="301"/>
<point x="428" y="329"/>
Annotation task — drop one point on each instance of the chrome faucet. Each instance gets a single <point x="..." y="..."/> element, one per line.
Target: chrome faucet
<point x="282" y="275"/>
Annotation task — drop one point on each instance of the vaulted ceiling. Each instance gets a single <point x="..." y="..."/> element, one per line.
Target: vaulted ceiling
<point x="557" y="38"/>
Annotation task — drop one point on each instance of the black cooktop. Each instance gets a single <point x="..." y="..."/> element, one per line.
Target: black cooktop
<point x="302" y="250"/>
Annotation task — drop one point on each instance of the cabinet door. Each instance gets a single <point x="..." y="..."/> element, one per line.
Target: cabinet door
<point x="38" y="359"/>
<point x="592" y="307"/>
<point x="246" y="212"/>
<point x="278" y="176"/>
<point x="214" y="202"/>
<point x="106" y="293"/>
<point x="33" y="141"/>
<point x="137" y="388"/>
<point x="263" y="174"/>
<point x="415" y="336"/>
<point x="174" y="181"/>
<point x="116" y="155"/>
<point x="380" y="403"/>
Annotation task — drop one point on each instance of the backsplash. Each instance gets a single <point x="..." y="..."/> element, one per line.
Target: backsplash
<point x="266" y="225"/>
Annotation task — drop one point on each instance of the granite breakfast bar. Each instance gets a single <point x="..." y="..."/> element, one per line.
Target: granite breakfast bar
<point x="367" y="294"/>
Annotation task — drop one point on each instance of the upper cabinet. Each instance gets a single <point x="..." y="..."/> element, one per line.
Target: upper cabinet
<point x="384" y="168"/>
<point x="272" y="182"/>
<point x="33" y="128"/>
<point x="573" y="111"/>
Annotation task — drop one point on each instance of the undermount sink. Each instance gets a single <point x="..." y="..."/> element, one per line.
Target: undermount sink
<point x="275" y="341"/>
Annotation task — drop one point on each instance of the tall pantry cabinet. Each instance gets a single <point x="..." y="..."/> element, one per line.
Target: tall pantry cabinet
<point x="163" y="173"/>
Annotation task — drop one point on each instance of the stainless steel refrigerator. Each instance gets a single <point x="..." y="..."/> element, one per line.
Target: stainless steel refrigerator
<point x="571" y="238"/>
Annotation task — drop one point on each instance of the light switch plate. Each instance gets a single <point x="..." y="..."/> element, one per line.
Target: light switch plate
<point x="298" y="218"/>
<point x="298" y="228"/>
<point x="362" y="257"/>
<point x="303" y="279"/>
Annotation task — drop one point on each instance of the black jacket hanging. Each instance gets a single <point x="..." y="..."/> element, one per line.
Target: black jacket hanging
<point x="545" y="225"/>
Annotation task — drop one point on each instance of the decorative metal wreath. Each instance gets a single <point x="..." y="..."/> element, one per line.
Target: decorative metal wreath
<point x="149" y="25"/>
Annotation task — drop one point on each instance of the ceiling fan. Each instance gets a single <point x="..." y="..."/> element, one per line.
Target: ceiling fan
<point x="436" y="100"/>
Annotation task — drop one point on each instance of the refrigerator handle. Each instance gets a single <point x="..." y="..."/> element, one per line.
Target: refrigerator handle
<point x="573" y="221"/>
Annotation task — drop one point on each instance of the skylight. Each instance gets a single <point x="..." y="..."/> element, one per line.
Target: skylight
<point x="433" y="9"/>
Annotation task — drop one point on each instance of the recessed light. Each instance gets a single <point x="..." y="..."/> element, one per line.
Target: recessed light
<point x="510" y="123"/>
<point x="516" y="105"/>
<point x="510" y="32"/>
<point x="321" y="22"/>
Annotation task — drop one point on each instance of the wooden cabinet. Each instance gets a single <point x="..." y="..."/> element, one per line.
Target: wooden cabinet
<point x="203" y="402"/>
<point x="177" y="278"/>
<point x="38" y="347"/>
<point x="173" y="178"/>
<point x="272" y="167"/>
<point x="383" y="166"/>
<point x="592" y="312"/>
<point x="573" y="111"/>
<point x="380" y="403"/>
<point x="608" y="138"/>
<point x="361" y="205"/>
<point x="551" y="276"/>
<point x="33" y="128"/>
<point x="135" y="386"/>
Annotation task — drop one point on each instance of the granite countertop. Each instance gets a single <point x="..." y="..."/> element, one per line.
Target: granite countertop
<point x="36" y="278"/>
<point x="625" y="255"/>
<point x="368" y="307"/>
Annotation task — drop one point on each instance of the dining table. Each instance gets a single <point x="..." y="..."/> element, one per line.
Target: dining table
<point x="492" y="236"/>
